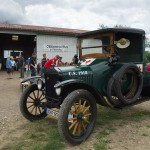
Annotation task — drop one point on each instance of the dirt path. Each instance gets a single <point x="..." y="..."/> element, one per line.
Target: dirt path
<point x="129" y="136"/>
<point x="10" y="117"/>
<point x="132" y="134"/>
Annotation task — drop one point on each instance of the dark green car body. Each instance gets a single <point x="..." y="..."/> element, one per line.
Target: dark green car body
<point x="111" y="72"/>
<point x="94" y="76"/>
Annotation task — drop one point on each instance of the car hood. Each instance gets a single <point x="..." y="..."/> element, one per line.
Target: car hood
<point x="72" y="69"/>
<point x="83" y="73"/>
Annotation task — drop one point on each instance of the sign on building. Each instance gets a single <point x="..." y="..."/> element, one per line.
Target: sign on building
<point x="56" y="48"/>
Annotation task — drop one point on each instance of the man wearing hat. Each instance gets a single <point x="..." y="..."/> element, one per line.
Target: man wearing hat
<point x="51" y="62"/>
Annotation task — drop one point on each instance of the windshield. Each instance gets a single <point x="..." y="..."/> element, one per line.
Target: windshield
<point x="94" y="47"/>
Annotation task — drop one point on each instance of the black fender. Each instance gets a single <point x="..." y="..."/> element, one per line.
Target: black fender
<point x="68" y="86"/>
<point x="32" y="80"/>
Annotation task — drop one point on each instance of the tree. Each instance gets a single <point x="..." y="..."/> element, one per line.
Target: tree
<point x="147" y="57"/>
<point x="102" y="26"/>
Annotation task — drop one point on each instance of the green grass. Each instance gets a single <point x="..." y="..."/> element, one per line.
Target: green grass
<point x="106" y="115"/>
<point x="43" y="135"/>
<point x="145" y="134"/>
<point x="148" y="126"/>
<point x="40" y="135"/>
<point x="101" y="140"/>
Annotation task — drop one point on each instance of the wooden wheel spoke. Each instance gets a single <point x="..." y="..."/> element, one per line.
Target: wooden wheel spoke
<point x="85" y="110"/>
<point x="32" y="109"/>
<point x="30" y="106"/>
<point x="41" y="95"/>
<point x="73" y="113"/>
<point x="38" y="94"/>
<point x="75" y="128"/>
<point x="70" y="127"/>
<point x="83" y="106"/>
<point x="39" y="109"/>
<point x="42" y="99"/>
<point x="79" y="128"/>
<point x="75" y="107"/>
<point x="30" y="102"/>
<point x="85" y="120"/>
<point x="70" y="119"/>
<point x="35" y="110"/>
<point x="83" y="126"/>
<point x="79" y="106"/>
<point x="32" y="98"/>
<point x="34" y="94"/>
<point x="88" y="114"/>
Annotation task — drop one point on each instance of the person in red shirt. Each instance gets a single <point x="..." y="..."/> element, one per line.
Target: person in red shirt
<point x="51" y="62"/>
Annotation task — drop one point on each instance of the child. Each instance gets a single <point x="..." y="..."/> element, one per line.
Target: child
<point x="13" y="64"/>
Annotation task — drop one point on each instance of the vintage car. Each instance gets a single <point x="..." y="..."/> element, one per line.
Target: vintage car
<point x="110" y="73"/>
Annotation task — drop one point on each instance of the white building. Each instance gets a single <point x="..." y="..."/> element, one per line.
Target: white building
<point x="26" y="39"/>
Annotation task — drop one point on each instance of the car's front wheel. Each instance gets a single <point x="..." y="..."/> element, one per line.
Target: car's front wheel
<point x="77" y="116"/>
<point x="31" y="102"/>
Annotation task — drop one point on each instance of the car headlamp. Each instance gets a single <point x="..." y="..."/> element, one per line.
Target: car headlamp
<point x="39" y="84"/>
<point x="58" y="90"/>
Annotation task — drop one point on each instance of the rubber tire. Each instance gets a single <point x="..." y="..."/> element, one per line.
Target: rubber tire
<point x="111" y="86"/>
<point x="63" y="115"/>
<point x="23" y="107"/>
<point x="125" y="100"/>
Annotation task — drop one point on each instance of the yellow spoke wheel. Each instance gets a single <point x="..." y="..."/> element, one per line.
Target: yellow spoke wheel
<point x="80" y="117"/>
<point x="77" y="116"/>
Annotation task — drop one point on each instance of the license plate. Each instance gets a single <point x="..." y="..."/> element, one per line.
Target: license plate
<point x="53" y="112"/>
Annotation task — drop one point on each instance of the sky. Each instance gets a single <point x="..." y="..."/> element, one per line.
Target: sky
<point x="77" y="14"/>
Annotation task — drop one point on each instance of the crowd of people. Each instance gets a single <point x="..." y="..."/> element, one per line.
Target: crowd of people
<point x="30" y="68"/>
<point x="14" y="64"/>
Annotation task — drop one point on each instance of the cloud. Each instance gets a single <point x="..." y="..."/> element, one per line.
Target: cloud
<point x="77" y="14"/>
<point x="11" y="12"/>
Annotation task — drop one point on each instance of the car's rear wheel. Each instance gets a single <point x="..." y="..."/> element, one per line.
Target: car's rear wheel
<point x="77" y="116"/>
<point x="31" y="103"/>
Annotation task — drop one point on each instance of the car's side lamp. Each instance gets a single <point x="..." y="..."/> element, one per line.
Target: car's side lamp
<point x="58" y="90"/>
<point x="39" y="84"/>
